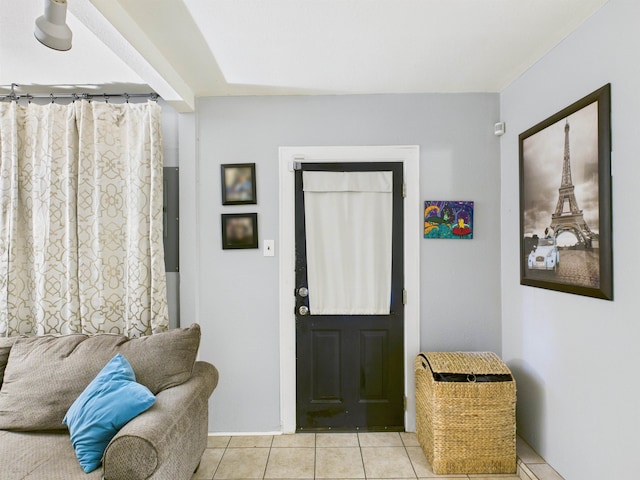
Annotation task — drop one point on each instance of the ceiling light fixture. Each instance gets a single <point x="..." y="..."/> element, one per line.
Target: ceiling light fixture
<point x="51" y="28"/>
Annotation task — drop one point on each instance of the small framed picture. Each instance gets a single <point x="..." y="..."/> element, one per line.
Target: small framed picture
<point x="451" y="219"/>
<point x="239" y="230"/>
<point x="238" y="184"/>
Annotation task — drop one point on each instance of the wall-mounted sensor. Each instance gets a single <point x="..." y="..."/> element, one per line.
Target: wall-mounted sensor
<point x="499" y="129"/>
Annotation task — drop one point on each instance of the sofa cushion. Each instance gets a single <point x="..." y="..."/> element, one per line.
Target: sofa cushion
<point x="44" y="375"/>
<point x="5" y="347"/>
<point x="104" y="407"/>
<point x="40" y="455"/>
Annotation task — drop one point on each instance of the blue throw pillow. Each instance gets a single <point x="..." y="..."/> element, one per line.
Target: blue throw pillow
<point x="104" y="407"/>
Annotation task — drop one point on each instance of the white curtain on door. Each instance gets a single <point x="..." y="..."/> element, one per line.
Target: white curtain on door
<point x="81" y="219"/>
<point x="348" y="217"/>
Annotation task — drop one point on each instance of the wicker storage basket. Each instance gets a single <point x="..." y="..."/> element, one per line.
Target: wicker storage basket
<point x="465" y="412"/>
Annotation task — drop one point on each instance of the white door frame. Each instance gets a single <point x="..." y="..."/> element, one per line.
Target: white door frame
<point x="413" y="226"/>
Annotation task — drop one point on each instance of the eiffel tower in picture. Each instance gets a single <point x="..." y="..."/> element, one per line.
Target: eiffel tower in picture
<point x="567" y="216"/>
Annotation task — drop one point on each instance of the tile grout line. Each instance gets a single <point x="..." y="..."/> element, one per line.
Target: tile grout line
<point x="266" y="465"/>
<point x="221" y="457"/>
<point x="364" y="470"/>
<point x="409" y="457"/>
<point x="525" y="472"/>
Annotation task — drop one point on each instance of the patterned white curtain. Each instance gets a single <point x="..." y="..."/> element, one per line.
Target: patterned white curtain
<point x="81" y="219"/>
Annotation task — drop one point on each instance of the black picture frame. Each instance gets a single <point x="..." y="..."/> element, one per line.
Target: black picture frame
<point x="239" y="230"/>
<point x="565" y="200"/>
<point x="238" y="183"/>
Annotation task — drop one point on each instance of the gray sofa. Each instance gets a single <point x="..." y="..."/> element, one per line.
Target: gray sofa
<point x="40" y="377"/>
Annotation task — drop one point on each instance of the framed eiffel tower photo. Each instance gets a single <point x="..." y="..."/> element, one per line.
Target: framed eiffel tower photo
<point x="565" y="200"/>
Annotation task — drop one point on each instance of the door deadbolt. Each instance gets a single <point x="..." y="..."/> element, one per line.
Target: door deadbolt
<point x="303" y="292"/>
<point x="303" y="310"/>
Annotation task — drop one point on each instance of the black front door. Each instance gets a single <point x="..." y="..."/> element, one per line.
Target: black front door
<point x="350" y="367"/>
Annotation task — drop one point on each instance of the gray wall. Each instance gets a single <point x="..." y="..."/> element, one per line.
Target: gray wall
<point x="234" y="294"/>
<point x="576" y="358"/>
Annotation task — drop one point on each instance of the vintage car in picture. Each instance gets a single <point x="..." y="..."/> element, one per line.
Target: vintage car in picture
<point x="545" y="255"/>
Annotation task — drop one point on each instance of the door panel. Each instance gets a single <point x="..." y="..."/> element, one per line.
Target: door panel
<point x="350" y="367"/>
<point x="373" y="351"/>
<point x="326" y="365"/>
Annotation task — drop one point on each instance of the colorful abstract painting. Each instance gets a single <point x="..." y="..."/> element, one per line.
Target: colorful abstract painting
<point x="448" y="219"/>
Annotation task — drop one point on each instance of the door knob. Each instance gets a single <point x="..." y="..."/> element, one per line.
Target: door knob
<point x="303" y="310"/>
<point x="303" y="292"/>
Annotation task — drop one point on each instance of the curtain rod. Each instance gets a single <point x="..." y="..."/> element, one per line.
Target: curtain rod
<point x="13" y="96"/>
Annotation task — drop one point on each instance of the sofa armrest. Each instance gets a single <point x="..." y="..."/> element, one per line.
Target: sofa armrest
<point x="166" y="441"/>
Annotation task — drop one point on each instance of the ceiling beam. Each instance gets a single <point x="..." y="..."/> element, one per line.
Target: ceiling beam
<point x="148" y="61"/>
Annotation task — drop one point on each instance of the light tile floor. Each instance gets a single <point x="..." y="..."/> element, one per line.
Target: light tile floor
<point x="339" y="456"/>
<point x="532" y="466"/>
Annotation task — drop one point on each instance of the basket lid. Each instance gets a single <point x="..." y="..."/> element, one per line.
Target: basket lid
<point x="479" y="363"/>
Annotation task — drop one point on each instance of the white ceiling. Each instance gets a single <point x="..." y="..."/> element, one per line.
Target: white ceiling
<point x="188" y="48"/>
<point x="28" y="63"/>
